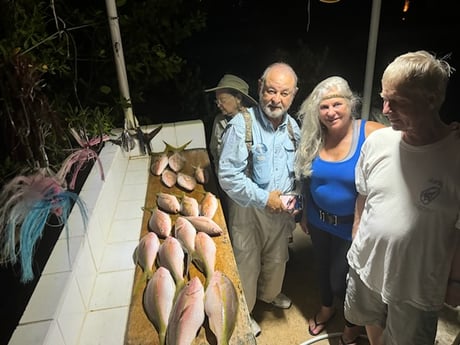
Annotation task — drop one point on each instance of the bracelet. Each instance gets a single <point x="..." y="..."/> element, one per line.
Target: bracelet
<point x="454" y="281"/>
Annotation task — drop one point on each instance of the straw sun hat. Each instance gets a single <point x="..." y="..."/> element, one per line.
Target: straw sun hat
<point x="230" y="81"/>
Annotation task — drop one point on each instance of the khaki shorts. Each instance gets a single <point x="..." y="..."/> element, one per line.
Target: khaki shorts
<point x="401" y="322"/>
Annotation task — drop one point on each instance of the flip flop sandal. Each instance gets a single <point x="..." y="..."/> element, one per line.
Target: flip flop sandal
<point x="322" y="325"/>
<point x="352" y="342"/>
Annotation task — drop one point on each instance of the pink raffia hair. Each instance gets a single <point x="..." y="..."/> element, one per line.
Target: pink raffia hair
<point x="27" y="203"/>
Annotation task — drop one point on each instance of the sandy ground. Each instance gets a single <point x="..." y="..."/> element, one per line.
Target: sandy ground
<point x="289" y="327"/>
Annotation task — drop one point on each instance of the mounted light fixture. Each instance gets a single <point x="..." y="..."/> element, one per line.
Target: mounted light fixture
<point x="329" y="1"/>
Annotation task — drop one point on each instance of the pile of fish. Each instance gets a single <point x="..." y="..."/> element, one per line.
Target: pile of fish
<point x="177" y="304"/>
<point x="178" y="300"/>
<point x="169" y="164"/>
<point x="199" y="214"/>
<point x="188" y="205"/>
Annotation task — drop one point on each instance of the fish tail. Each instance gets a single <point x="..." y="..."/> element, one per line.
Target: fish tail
<point x="170" y="148"/>
<point x="140" y="283"/>
<point x="179" y="286"/>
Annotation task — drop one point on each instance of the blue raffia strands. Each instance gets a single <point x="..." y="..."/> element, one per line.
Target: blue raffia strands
<point x="32" y="228"/>
<point x="27" y="204"/>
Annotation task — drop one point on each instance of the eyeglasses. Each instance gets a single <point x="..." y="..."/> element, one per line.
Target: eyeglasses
<point x="221" y="101"/>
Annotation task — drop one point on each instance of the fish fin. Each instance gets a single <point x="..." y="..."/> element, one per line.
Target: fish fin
<point x="149" y="209"/>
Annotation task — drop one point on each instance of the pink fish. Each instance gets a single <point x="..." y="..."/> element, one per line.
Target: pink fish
<point x="189" y="206"/>
<point x="185" y="181"/>
<point x="159" y="163"/>
<point x="160" y="222"/>
<point x="187" y="315"/>
<point x="205" y="254"/>
<point x="158" y="301"/>
<point x="168" y="202"/>
<point x="209" y="205"/>
<point x="185" y="232"/>
<point x="176" y="161"/>
<point x="171" y="256"/>
<point x="146" y="252"/>
<point x="205" y="224"/>
<point x="169" y="178"/>
<point x="201" y="175"/>
<point x="221" y="307"/>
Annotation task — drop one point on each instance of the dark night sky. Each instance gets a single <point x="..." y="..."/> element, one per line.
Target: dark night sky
<point x="244" y="36"/>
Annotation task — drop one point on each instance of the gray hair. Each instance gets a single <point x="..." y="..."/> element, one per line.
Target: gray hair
<point x="283" y="65"/>
<point x="419" y="74"/>
<point x="312" y="132"/>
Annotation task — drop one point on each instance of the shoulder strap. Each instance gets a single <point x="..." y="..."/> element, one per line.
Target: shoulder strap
<point x="248" y="122"/>
<point x="291" y="134"/>
<point x="248" y="140"/>
<point x="248" y="137"/>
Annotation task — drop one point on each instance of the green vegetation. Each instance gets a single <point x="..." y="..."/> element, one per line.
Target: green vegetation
<point x="57" y="71"/>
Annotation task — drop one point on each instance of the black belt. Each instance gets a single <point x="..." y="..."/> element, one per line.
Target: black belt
<point x="332" y="219"/>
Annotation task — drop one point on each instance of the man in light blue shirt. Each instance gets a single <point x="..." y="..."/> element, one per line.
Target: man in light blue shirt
<point x="259" y="222"/>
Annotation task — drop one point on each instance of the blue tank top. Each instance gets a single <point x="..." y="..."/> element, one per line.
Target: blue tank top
<point x="332" y="187"/>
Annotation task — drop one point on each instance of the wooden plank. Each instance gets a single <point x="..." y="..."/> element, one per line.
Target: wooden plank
<point x="139" y="329"/>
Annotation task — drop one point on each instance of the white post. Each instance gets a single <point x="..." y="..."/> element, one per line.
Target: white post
<point x="370" y="64"/>
<point x="130" y="119"/>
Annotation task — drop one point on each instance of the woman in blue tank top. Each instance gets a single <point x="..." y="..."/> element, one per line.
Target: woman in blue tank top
<point x="331" y="140"/>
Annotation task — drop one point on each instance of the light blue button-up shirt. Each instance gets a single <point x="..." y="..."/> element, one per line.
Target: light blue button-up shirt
<point x="273" y="168"/>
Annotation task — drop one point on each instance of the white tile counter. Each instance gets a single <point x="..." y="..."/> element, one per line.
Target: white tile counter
<point x="83" y="294"/>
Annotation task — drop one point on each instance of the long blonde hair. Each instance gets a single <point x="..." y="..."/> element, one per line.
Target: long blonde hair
<point x="311" y="131"/>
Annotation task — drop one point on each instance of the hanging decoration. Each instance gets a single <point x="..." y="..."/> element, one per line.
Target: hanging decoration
<point x="81" y="156"/>
<point x="27" y="204"/>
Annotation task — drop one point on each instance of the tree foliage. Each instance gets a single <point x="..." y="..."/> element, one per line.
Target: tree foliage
<point x="57" y="70"/>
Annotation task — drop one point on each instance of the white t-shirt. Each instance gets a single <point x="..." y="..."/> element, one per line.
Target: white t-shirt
<point x="411" y="220"/>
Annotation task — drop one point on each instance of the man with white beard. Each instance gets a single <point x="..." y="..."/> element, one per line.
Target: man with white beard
<point x="254" y="175"/>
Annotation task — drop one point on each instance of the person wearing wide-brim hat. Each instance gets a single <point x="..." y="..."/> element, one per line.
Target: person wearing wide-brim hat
<point x="232" y="97"/>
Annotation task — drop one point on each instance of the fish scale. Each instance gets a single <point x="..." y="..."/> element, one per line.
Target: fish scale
<point x="159" y="163"/>
<point x="146" y="252"/>
<point x="221" y="307"/>
<point x="189" y="206"/>
<point x="168" y="202"/>
<point x="187" y="315"/>
<point x="205" y="224"/>
<point x="171" y="256"/>
<point x="205" y="255"/>
<point x="185" y="232"/>
<point x="160" y="223"/>
<point x="209" y="205"/>
<point x="158" y="300"/>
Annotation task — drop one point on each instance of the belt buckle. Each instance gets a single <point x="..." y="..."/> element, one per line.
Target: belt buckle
<point x="328" y="218"/>
<point x="322" y="215"/>
<point x="333" y="217"/>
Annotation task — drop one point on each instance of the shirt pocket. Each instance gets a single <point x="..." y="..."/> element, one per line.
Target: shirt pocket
<point x="261" y="170"/>
<point x="289" y="150"/>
